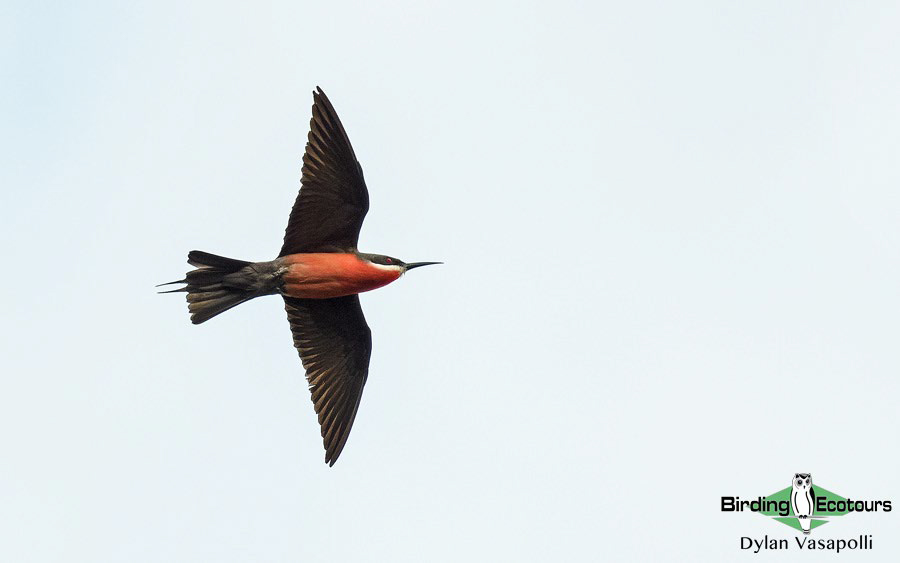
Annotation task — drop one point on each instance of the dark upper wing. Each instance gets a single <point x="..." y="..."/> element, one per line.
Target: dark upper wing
<point x="333" y="198"/>
<point x="335" y="343"/>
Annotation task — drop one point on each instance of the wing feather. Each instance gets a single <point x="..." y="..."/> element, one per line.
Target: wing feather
<point x="334" y="343"/>
<point x="333" y="200"/>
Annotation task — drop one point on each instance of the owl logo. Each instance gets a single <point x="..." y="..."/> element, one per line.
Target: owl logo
<point x="803" y="500"/>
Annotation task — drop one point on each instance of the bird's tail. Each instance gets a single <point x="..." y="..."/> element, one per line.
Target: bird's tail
<point x="217" y="284"/>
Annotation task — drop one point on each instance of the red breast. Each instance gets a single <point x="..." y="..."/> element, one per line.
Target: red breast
<point x="326" y="275"/>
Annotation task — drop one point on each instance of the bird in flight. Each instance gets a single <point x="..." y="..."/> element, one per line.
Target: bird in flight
<point x="319" y="273"/>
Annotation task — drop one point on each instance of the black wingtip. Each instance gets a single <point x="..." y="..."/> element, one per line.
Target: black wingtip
<point x="319" y="96"/>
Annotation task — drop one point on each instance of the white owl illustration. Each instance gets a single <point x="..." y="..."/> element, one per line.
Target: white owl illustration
<point x="803" y="500"/>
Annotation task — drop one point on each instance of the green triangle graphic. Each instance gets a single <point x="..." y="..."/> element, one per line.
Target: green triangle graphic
<point x="791" y="520"/>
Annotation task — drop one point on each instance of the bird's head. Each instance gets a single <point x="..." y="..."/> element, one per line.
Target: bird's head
<point x="389" y="262"/>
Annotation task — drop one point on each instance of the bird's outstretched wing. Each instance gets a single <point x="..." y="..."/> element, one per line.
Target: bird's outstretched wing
<point x="333" y="198"/>
<point x="335" y="343"/>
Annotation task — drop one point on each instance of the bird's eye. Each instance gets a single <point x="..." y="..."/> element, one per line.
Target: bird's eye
<point x="388" y="260"/>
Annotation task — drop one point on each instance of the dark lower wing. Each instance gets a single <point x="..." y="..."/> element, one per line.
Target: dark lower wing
<point x="335" y="343"/>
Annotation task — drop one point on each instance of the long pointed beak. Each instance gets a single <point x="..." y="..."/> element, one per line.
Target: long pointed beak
<point x="418" y="264"/>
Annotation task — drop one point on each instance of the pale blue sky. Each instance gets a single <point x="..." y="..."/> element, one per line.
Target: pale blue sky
<point x="671" y="243"/>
